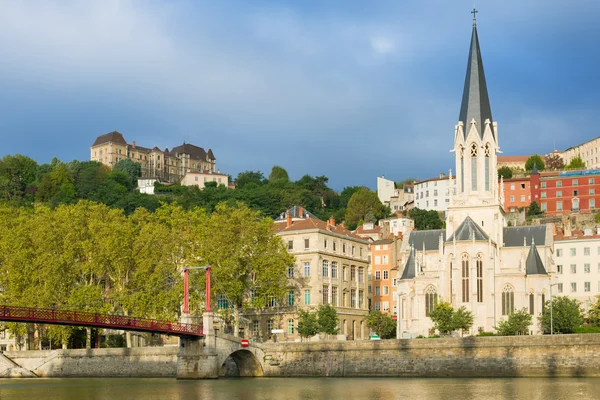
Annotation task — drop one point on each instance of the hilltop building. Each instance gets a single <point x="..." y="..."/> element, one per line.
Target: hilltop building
<point x="477" y="261"/>
<point x="165" y="165"/>
<point x="435" y="193"/>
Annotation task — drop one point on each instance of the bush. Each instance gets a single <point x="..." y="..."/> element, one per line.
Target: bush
<point x="446" y="320"/>
<point x="486" y="334"/>
<point x="587" y="329"/>
<point x="517" y="323"/>
<point x="382" y="324"/>
<point x="566" y="315"/>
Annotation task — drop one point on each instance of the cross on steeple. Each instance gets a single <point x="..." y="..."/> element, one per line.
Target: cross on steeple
<point x="474" y="12"/>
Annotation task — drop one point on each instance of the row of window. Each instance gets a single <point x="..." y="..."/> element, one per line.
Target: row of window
<point x="587" y="287"/>
<point x="270" y="327"/>
<point x="574" y="205"/>
<point x="574" y="182"/>
<point x="573" y="252"/>
<point x="354" y="277"/>
<point x="382" y="306"/>
<point x="559" y="193"/>
<point x="512" y="186"/>
<point x="512" y="198"/>
<point x="386" y="275"/>
<point x="326" y="245"/>
<point x="334" y="299"/>
<point x="587" y="268"/>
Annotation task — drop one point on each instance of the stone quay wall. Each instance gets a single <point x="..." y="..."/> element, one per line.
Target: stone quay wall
<point x="525" y="356"/>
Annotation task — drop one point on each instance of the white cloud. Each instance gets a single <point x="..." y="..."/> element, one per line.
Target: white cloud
<point x="382" y="45"/>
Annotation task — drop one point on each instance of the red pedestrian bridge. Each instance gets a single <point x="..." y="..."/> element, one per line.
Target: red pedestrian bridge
<point x="87" y="319"/>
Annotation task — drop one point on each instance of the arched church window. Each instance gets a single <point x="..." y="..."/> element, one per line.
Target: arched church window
<point x="465" y="278"/>
<point x="531" y="303"/>
<point x="474" y="166"/>
<point x="508" y="300"/>
<point x="431" y="298"/>
<point x="450" y="275"/>
<point x="479" y="278"/>
<point x="487" y="167"/>
<point x="462" y="169"/>
<point x="543" y="300"/>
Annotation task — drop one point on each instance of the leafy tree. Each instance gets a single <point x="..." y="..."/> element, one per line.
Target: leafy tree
<point x="278" y="172"/>
<point x="576" y="163"/>
<point x="382" y="324"/>
<point x="362" y="203"/>
<point x="594" y="313"/>
<point x="247" y="177"/>
<point x="517" y="323"/>
<point x="426" y="219"/>
<point x="462" y="319"/>
<point x="308" y="325"/>
<point x="328" y="319"/>
<point x="407" y="181"/>
<point x="17" y="173"/>
<point x="566" y="315"/>
<point x="534" y="209"/>
<point x="536" y="160"/>
<point x="597" y="218"/>
<point x="442" y="317"/>
<point x="505" y="172"/>
<point x="554" y="162"/>
<point x="132" y="169"/>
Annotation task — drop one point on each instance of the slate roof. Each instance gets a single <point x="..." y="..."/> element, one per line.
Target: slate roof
<point x="297" y="212"/>
<point x="467" y="230"/>
<point x="475" y="102"/>
<point x="431" y="238"/>
<point x="410" y="268"/>
<point x="114" y="137"/>
<point x="513" y="236"/>
<point x="383" y="241"/>
<point x="534" y="264"/>
<point x="195" y="152"/>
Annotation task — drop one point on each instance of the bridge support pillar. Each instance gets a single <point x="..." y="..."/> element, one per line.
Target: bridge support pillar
<point x="197" y="358"/>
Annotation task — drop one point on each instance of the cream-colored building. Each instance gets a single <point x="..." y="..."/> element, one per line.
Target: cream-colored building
<point x="434" y="193"/>
<point x="201" y="178"/>
<point x="167" y="166"/>
<point x="477" y="261"/>
<point x="588" y="152"/>
<point x="577" y="256"/>
<point x="331" y="268"/>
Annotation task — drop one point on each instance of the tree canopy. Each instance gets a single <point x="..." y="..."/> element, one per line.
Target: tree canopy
<point x="576" y="163"/>
<point x="566" y="315"/>
<point x="505" y="172"/>
<point x="382" y="324"/>
<point x="536" y="160"/>
<point x="426" y="219"/>
<point x="363" y="202"/>
<point x="446" y="320"/>
<point x="517" y="323"/>
<point x="554" y="162"/>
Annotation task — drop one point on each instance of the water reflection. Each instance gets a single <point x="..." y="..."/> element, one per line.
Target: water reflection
<point x="301" y="389"/>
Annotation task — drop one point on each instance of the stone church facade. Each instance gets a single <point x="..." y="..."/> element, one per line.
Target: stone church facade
<point x="478" y="261"/>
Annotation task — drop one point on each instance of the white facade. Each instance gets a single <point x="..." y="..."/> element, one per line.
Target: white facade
<point x="398" y="224"/>
<point x="578" y="267"/>
<point x="201" y="178"/>
<point x="434" y="194"/>
<point x="588" y="152"/>
<point x="146" y="185"/>
<point x="385" y="189"/>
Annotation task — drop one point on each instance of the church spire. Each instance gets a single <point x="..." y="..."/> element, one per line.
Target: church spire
<point x="475" y="102"/>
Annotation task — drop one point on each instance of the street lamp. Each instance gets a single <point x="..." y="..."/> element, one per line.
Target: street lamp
<point x="551" y="321"/>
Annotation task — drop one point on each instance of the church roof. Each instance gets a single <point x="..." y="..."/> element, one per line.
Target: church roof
<point x="534" y="264"/>
<point x="410" y="268"/>
<point x="430" y="238"/>
<point x="467" y="231"/>
<point x="475" y="102"/>
<point x="513" y="236"/>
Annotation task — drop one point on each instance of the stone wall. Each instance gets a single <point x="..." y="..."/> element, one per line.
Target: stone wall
<point x="559" y="355"/>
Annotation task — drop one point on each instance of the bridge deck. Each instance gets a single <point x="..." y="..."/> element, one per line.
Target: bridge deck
<point x="87" y="319"/>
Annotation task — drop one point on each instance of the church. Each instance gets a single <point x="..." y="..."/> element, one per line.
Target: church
<point x="477" y="261"/>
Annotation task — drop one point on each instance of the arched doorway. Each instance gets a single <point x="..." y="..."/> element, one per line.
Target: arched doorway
<point x="241" y="363"/>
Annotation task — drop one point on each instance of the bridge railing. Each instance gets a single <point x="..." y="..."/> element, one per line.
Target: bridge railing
<point x="83" y="318"/>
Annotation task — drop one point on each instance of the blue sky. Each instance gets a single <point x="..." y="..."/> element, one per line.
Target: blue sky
<point x="346" y="89"/>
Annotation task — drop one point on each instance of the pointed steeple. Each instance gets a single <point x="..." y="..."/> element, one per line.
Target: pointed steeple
<point x="475" y="102"/>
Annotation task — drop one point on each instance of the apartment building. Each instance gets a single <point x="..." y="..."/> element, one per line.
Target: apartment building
<point x="517" y="193"/>
<point x="384" y="264"/>
<point x="434" y="193"/>
<point x="165" y="165"/>
<point x="331" y="268"/>
<point x="560" y="193"/>
<point x="577" y="255"/>
<point x="588" y="152"/>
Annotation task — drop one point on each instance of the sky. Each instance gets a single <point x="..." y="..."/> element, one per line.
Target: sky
<point x="347" y="89"/>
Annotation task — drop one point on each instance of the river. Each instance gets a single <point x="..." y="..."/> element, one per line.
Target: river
<point x="300" y="388"/>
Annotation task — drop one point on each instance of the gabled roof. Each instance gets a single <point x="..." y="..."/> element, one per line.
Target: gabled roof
<point x="467" y="231"/>
<point x="475" y="102"/>
<point x="513" y="236"/>
<point x="534" y="264"/>
<point x="195" y="152"/>
<point x="430" y="238"/>
<point x="296" y="212"/>
<point x="114" y="137"/>
<point x="410" y="268"/>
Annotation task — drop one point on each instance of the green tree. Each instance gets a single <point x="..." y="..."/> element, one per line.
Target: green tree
<point x="426" y="219"/>
<point x="576" y="163"/>
<point x="246" y="177"/>
<point x="442" y="317"/>
<point x="594" y="312"/>
<point x="407" y="181"/>
<point x="505" y="172"/>
<point x="17" y="173"/>
<point x="362" y="203"/>
<point x="278" y="172"/>
<point x="462" y="319"/>
<point x="536" y="160"/>
<point x="566" y="315"/>
<point x="534" y="209"/>
<point x="554" y="162"/>
<point x="132" y="169"/>
<point x="517" y="323"/>
<point x="328" y="319"/>
<point x="308" y="324"/>
<point x="382" y="324"/>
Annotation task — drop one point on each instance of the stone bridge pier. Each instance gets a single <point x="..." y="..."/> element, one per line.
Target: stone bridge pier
<point x="217" y="355"/>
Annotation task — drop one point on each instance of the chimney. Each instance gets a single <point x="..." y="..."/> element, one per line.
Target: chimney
<point x="289" y="220"/>
<point x="133" y="144"/>
<point x="332" y="221"/>
<point x="300" y="212"/>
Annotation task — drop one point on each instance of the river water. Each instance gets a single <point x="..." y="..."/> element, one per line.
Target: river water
<point x="301" y="388"/>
